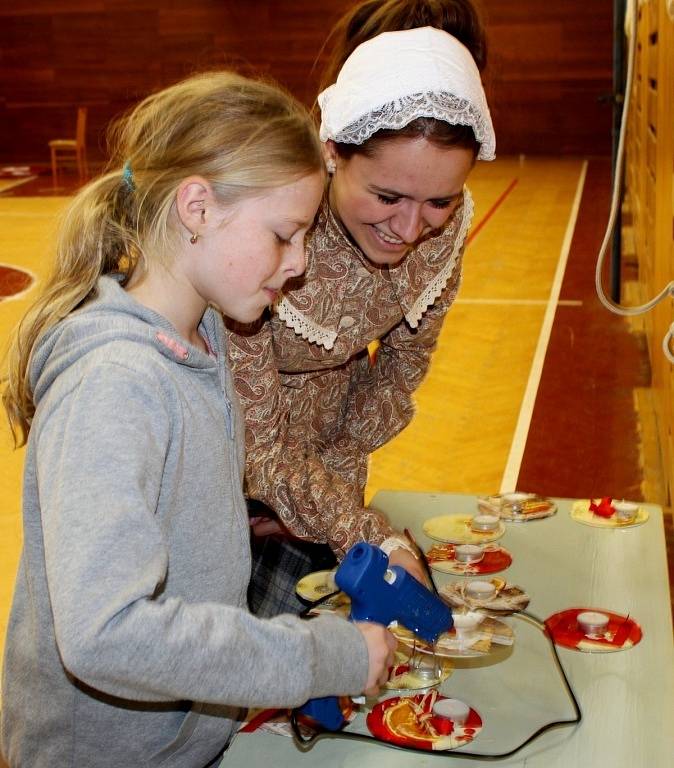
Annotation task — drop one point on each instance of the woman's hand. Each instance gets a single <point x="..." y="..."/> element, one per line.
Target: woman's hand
<point x="266" y="526"/>
<point x="410" y="563"/>
<point x="380" y="651"/>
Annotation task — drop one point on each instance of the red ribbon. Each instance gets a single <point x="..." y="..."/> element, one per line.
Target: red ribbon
<point x="604" y="508"/>
<point x="260" y="719"/>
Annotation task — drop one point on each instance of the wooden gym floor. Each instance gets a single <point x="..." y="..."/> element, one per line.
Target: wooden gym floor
<point x="534" y="385"/>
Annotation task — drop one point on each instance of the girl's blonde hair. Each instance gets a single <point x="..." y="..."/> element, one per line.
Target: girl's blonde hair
<point x="241" y="135"/>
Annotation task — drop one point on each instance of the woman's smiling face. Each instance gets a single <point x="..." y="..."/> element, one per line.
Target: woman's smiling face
<point x="392" y="200"/>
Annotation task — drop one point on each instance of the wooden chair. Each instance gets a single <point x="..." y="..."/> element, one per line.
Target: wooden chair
<point x="67" y="150"/>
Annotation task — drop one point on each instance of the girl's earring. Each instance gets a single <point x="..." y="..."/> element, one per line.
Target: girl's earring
<point x="195" y="236"/>
<point x="331" y="166"/>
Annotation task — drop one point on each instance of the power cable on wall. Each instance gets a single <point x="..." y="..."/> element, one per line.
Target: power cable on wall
<point x="630" y="29"/>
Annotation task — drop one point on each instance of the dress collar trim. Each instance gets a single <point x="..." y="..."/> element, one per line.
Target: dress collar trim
<point x="418" y="281"/>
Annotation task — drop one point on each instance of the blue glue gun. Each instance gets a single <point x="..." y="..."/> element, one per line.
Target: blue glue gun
<point x="381" y="594"/>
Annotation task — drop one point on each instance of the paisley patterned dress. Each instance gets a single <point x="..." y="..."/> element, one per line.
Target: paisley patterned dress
<point x="316" y="405"/>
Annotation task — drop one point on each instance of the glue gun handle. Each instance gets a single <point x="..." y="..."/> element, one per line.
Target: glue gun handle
<point x="326" y="711"/>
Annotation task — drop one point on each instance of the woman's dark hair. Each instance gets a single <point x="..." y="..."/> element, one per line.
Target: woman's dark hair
<point x="460" y="18"/>
<point x="436" y="132"/>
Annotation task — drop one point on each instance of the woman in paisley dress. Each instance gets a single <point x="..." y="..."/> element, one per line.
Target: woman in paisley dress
<point x="403" y="119"/>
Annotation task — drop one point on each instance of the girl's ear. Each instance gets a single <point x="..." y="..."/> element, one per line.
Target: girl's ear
<point x="194" y="204"/>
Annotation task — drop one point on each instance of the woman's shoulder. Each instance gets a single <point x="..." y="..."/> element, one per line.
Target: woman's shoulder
<point x="330" y="252"/>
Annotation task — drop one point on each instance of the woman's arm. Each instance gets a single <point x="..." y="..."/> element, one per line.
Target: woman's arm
<point x="287" y="470"/>
<point x="381" y="396"/>
<point x="380" y="402"/>
<point x="316" y="488"/>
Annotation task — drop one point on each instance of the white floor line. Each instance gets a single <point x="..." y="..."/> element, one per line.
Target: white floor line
<point x="17" y="183"/>
<point x="520" y="302"/>
<point x="514" y="463"/>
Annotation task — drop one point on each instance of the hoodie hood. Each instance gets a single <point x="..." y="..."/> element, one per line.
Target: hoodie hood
<point x="112" y="316"/>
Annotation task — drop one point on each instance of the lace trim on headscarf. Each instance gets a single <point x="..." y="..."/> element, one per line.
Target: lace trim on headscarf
<point x="399" y="113"/>
<point x="438" y="283"/>
<point x="303" y="326"/>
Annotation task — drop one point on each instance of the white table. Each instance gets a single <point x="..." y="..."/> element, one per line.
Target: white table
<point x="627" y="697"/>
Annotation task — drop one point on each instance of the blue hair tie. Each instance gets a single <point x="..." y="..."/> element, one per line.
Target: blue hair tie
<point x="127" y="176"/>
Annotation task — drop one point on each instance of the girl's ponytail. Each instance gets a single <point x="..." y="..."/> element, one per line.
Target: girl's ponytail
<point x="242" y="136"/>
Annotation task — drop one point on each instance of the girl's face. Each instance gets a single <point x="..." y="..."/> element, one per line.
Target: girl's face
<point x="393" y="200"/>
<point x="249" y="250"/>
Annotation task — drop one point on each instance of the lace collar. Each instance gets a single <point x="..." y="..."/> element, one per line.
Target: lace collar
<point x="314" y="308"/>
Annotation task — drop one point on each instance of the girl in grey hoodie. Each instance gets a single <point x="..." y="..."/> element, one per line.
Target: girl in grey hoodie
<point x="129" y="641"/>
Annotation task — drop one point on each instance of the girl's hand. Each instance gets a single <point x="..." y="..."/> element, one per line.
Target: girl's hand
<point x="380" y="647"/>
<point x="410" y="563"/>
<point x="265" y="526"/>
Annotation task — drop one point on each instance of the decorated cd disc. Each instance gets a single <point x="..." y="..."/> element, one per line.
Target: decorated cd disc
<point x="411" y="721"/>
<point x="606" y="632"/>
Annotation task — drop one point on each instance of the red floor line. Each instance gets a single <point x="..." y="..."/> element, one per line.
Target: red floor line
<point x="492" y="210"/>
<point x="584" y="436"/>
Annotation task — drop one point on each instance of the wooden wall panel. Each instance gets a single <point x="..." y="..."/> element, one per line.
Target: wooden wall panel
<point x="550" y="63"/>
<point x="650" y="193"/>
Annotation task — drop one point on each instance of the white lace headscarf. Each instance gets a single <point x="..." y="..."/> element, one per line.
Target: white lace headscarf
<point x="396" y="77"/>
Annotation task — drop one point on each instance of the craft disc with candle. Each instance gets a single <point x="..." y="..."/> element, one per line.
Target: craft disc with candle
<point x="581" y="513"/>
<point x="502" y="599"/>
<point x="444" y="558"/>
<point x="411" y="722"/>
<point x="488" y="636"/>
<point x="517" y="507"/>
<point x="457" y="529"/>
<point x="620" y="633"/>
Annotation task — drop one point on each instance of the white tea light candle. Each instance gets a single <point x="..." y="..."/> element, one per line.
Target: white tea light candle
<point x="515" y="498"/>
<point x="625" y="510"/>
<point x="484" y="523"/>
<point x="468" y="553"/>
<point x="480" y="590"/>
<point x="452" y="709"/>
<point x="592" y="622"/>
<point x="466" y="622"/>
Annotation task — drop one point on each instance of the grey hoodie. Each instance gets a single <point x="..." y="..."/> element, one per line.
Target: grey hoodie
<point x="129" y="643"/>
